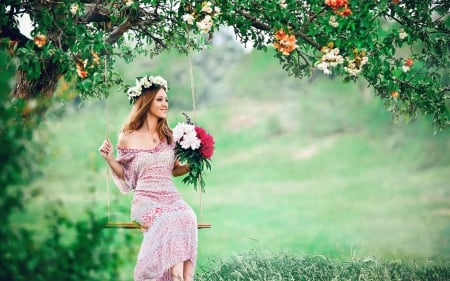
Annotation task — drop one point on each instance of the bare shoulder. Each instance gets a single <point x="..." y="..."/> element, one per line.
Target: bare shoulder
<point x="124" y="139"/>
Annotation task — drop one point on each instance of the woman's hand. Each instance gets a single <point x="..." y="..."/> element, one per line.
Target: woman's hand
<point x="180" y="169"/>
<point x="106" y="150"/>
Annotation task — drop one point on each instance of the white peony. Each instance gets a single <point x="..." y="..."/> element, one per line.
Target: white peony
<point x="190" y="140"/>
<point x="182" y="129"/>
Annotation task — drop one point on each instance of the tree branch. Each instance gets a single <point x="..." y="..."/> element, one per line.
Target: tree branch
<point x="95" y="13"/>
<point x="115" y="35"/>
<point x="14" y="34"/>
<point x="265" y="27"/>
<point x="156" y="39"/>
<point x="308" y="39"/>
<point x="311" y="18"/>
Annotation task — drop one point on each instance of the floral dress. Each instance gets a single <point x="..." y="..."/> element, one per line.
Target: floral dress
<point x="171" y="234"/>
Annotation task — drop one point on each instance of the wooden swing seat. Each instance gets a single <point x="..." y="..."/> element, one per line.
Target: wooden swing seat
<point x="135" y="225"/>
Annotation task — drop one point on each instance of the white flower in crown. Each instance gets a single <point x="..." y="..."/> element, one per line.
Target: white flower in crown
<point x="159" y="81"/>
<point x="144" y="83"/>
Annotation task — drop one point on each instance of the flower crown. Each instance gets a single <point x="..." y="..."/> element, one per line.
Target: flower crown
<point x="143" y="83"/>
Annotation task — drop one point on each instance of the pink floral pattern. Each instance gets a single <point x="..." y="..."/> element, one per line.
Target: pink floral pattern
<point x="171" y="234"/>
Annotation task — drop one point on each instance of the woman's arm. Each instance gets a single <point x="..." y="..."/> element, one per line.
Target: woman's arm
<point x="116" y="167"/>
<point x="107" y="152"/>
<point x="180" y="169"/>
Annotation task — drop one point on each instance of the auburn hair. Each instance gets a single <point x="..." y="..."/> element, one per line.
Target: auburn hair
<point x="138" y="114"/>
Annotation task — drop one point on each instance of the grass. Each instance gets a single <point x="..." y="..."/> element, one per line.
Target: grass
<point x="318" y="169"/>
<point x="289" y="267"/>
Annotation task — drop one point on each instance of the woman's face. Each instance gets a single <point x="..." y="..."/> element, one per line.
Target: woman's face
<point x="160" y="104"/>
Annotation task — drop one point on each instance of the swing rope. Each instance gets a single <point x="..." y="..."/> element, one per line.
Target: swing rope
<point x="107" y="137"/>
<point x="133" y="225"/>
<point x="191" y="76"/>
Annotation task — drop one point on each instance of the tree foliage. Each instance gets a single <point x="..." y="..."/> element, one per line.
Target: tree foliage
<point x="46" y="254"/>
<point x="399" y="47"/>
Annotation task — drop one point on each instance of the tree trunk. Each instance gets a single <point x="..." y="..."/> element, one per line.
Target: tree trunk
<point x="44" y="86"/>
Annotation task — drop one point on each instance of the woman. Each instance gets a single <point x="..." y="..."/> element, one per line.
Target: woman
<point x="145" y="164"/>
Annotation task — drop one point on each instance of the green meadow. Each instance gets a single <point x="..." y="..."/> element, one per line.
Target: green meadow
<point x="310" y="167"/>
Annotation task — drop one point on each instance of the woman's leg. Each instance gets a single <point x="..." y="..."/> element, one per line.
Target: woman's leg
<point x="177" y="272"/>
<point x="188" y="272"/>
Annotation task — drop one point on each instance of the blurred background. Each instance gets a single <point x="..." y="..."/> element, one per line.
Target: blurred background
<point x="311" y="166"/>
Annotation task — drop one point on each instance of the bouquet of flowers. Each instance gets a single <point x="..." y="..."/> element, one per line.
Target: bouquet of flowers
<point x="194" y="146"/>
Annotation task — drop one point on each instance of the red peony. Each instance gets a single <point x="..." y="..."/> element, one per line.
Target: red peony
<point x="207" y="143"/>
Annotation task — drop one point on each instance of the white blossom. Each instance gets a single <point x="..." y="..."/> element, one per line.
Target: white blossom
<point x="364" y="60"/>
<point x="129" y="3"/>
<point x="205" y="24"/>
<point x="324" y="67"/>
<point x="188" y="18"/>
<point x="330" y="59"/>
<point x="333" y="22"/>
<point x="207" y="7"/>
<point x="406" y="68"/>
<point x="74" y="9"/>
<point x="283" y="4"/>
<point x="353" y="68"/>
<point x="402" y="34"/>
